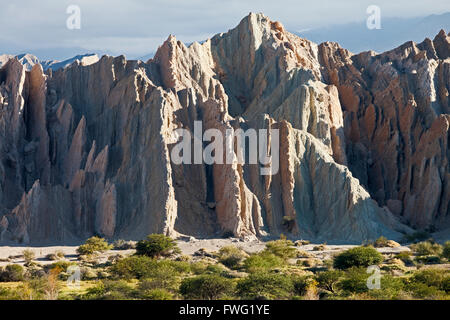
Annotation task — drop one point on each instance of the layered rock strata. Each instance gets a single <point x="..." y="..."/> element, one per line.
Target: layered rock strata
<point x="363" y="141"/>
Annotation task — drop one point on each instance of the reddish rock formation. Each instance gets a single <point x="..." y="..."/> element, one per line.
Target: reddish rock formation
<point x="363" y="139"/>
<point x="396" y="120"/>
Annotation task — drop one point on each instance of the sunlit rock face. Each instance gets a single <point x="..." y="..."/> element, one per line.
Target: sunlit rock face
<point x="363" y="141"/>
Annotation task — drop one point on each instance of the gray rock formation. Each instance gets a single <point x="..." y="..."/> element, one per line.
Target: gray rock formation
<point x="86" y="149"/>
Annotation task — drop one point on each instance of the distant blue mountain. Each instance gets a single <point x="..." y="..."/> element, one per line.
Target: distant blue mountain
<point x="356" y="37"/>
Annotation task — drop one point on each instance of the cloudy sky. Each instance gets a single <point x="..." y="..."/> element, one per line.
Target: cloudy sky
<point x="136" y="28"/>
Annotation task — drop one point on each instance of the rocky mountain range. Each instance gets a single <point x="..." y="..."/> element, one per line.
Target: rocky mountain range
<point x="364" y="152"/>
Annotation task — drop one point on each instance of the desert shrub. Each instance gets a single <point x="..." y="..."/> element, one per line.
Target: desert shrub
<point x="320" y="247"/>
<point x="134" y="267"/>
<point x="51" y="256"/>
<point x="92" y="245"/>
<point x="177" y="266"/>
<point x="265" y="286"/>
<point x="124" y="245"/>
<point x="231" y="256"/>
<point x="88" y="273"/>
<point x="426" y="248"/>
<point x="299" y="243"/>
<point x="304" y="254"/>
<point x="281" y="248"/>
<point x="390" y="288"/>
<point x="215" y="268"/>
<point x="141" y="267"/>
<point x="198" y="267"/>
<point x="28" y="256"/>
<point x="405" y="256"/>
<point x="358" y="257"/>
<point x="428" y="259"/>
<point x="301" y="284"/>
<point x="22" y="292"/>
<point x="308" y="262"/>
<point x="445" y="285"/>
<point x="111" y="290"/>
<point x="156" y="294"/>
<point x="430" y="277"/>
<point x="157" y="245"/>
<point x="207" y="287"/>
<point x="9" y="294"/>
<point x="446" y="250"/>
<point x="12" y="273"/>
<point x="422" y="291"/>
<point x="428" y="283"/>
<point x="169" y="283"/>
<point x="62" y="266"/>
<point x="381" y="242"/>
<point x="327" y="280"/>
<point x="354" y="280"/>
<point x="262" y="261"/>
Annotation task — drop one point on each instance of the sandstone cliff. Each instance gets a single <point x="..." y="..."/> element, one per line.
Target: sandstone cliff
<point x="363" y="141"/>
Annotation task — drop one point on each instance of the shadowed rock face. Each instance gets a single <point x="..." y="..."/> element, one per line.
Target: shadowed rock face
<point x="396" y="119"/>
<point x="363" y="141"/>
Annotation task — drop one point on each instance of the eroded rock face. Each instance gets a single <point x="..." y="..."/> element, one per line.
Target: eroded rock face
<point x="396" y="121"/>
<point x="86" y="149"/>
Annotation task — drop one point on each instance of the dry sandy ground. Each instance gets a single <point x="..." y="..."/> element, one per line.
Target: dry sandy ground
<point x="187" y="247"/>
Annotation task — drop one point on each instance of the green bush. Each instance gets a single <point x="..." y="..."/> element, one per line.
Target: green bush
<point x="231" y="256"/>
<point x="61" y="265"/>
<point x="429" y="259"/>
<point x="262" y="261"/>
<point x="124" y="245"/>
<point x="12" y="273"/>
<point x="169" y="283"/>
<point x="422" y="291"/>
<point x="428" y="283"/>
<point x="265" y="286"/>
<point x="207" y="287"/>
<point x="446" y="250"/>
<point x="405" y="256"/>
<point x="381" y="242"/>
<point x="281" y="248"/>
<point x="9" y="294"/>
<point x="111" y="290"/>
<point x="358" y="257"/>
<point x="156" y="294"/>
<point x="426" y="248"/>
<point x="390" y="288"/>
<point x="354" y="280"/>
<point x="327" y="280"/>
<point x="301" y="284"/>
<point x="92" y="245"/>
<point x="445" y="285"/>
<point x="140" y="267"/>
<point x="157" y="245"/>
<point x="430" y="277"/>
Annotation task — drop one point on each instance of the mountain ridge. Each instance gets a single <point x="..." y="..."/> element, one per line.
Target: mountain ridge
<point x="95" y="160"/>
